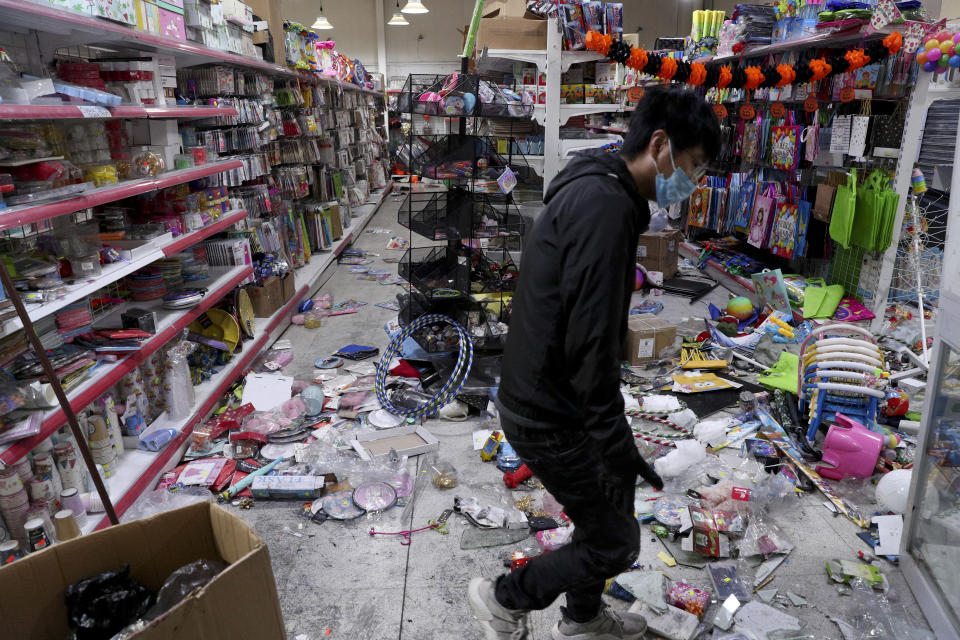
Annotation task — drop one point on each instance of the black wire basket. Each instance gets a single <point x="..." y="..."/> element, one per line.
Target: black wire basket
<point x="459" y="95"/>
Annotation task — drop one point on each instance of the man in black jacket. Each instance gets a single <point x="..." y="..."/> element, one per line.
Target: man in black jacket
<point x="559" y="399"/>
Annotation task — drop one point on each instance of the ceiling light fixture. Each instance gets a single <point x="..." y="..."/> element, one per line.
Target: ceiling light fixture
<point x="398" y="20"/>
<point x="414" y="6"/>
<point x="321" y="22"/>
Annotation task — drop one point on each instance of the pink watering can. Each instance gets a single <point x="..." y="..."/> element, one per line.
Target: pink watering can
<point x="850" y="449"/>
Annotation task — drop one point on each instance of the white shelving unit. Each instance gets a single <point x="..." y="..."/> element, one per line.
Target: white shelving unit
<point x="554" y="62"/>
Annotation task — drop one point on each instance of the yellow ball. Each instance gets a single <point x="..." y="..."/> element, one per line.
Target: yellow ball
<point x="740" y="308"/>
<point x="932" y="44"/>
<point x="947" y="47"/>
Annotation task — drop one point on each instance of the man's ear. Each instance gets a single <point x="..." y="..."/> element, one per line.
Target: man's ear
<point x="658" y="142"/>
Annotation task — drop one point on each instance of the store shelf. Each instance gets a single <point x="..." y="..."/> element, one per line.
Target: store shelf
<point x="139" y="471"/>
<point x="67" y="111"/>
<point x="307" y="275"/>
<point x="568" y="111"/>
<point x="833" y="39"/>
<point x="25" y="214"/>
<point x="106" y="375"/>
<point x="113" y="272"/>
<point x="539" y="57"/>
<point x="65" y="28"/>
<point x="187" y="240"/>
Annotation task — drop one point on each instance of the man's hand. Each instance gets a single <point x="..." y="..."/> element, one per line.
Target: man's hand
<point x="647" y="473"/>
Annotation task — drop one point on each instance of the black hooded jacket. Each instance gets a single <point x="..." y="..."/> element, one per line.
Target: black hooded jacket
<point x="562" y="359"/>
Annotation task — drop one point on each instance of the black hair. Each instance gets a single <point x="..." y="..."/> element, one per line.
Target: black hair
<point x="686" y="117"/>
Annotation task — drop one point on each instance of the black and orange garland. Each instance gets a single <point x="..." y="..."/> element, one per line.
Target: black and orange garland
<point x="725" y="76"/>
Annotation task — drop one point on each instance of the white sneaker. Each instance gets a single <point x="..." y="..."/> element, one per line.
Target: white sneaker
<point x="608" y="625"/>
<point x="497" y="622"/>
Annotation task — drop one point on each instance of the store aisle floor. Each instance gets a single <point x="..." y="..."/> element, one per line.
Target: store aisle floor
<point x="337" y="577"/>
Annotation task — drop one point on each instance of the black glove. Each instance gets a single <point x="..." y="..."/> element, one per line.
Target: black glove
<point x="647" y="473"/>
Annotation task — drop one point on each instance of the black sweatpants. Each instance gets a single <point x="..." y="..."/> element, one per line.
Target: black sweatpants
<point x="606" y="540"/>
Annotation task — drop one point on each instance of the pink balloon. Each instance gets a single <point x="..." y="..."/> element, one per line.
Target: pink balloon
<point x="956" y="37"/>
<point x="934" y="54"/>
<point x="943" y="35"/>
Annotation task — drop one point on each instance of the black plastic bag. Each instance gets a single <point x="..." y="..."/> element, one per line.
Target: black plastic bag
<point x="100" y="606"/>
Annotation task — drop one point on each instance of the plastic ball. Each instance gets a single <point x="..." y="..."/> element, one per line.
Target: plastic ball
<point x="931" y="44"/>
<point x="947" y="46"/>
<point x="956" y="49"/>
<point x="895" y="403"/>
<point x="943" y="61"/>
<point x="956" y="37"/>
<point x="929" y="66"/>
<point x="640" y="280"/>
<point x="893" y="490"/>
<point x="943" y="35"/>
<point x="954" y="61"/>
<point x="740" y="308"/>
<point x="934" y="55"/>
<point x="942" y="69"/>
<point x="922" y="58"/>
<point x="469" y="102"/>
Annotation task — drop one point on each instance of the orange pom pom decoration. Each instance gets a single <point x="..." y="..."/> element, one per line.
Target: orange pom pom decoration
<point x="820" y="68"/>
<point x="726" y="76"/>
<point x="754" y="78"/>
<point x="893" y="42"/>
<point x="787" y="74"/>
<point x="668" y="67"/>
<point x="637" y="59"/>
<point x="698" y="73"/>
<point x="598" y="42"/>
<point x="856" y="58"/>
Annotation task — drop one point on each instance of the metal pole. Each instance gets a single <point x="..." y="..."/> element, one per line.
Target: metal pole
<point x="78" y="434"/>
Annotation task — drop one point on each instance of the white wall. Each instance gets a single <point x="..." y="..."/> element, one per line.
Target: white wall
<point x="430" y="44"/>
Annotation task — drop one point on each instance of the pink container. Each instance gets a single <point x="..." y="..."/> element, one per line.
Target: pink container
<point x="850" y="449"/>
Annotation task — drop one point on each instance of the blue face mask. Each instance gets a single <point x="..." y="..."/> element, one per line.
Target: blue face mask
<point x="675" y="188"/>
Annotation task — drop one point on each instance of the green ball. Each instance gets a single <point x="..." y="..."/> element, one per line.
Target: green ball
<point x="740" y="307"/>
<point x="943" y="61"/>
<point x="957" y="49"/>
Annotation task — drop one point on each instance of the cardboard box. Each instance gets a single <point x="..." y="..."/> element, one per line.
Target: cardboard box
<point x="659" y="251"/>
<point x="270" y="11"/>
<point x="266" y="299"/>
<point x="241" y="602"/>
<point x="647" y="336"/>
<point x="506" y="25"/>
<point x="288" y="287"/>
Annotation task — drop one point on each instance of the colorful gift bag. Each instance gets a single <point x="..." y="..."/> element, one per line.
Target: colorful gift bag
<point x="803" y="223"/>
<point x="699" y="207"/>
<point x="785" y="147"/>
<point x="744" y="209"/>
<point x="750" y="151"/>
<point x="771" y="290"/>
<point x="783" y="233"/>
<point x="763" y="212"/>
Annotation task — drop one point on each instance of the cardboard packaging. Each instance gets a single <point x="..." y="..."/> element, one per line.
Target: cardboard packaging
<point x="659" y="251"/>
<point x="507" y="25"/>
<point x="647" y="336"/>
<point x="274" y="293"/>
<point x="269" y="10"/>
<point x="241" y="602"/>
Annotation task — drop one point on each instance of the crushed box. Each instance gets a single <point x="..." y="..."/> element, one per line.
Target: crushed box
<point x="647" y="336"/>
<point x="659" y="251"/>
<point x="241" y="602"/>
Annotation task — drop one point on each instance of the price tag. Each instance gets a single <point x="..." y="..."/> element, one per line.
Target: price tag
<point x="747" y="112"/>
<point x="810" y="105"/>
<point x="635" y="94"/>
<point x="94" y="112"/>
<point x="777" y="110"/>
<point x="720" y="111"/>
<point x="847" y="94"/>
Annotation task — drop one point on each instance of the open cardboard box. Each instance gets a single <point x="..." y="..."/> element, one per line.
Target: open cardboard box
<point x="241" y="602"/>
<point x="507" y="25"/>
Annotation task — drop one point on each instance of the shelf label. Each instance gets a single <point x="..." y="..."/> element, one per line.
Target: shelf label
<point x="89" y="111"/>
<point x="747" y="112"/>
<point x="720" y="111"/>
<point x="777" y="110"/>
<point x="810" y="105"/>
